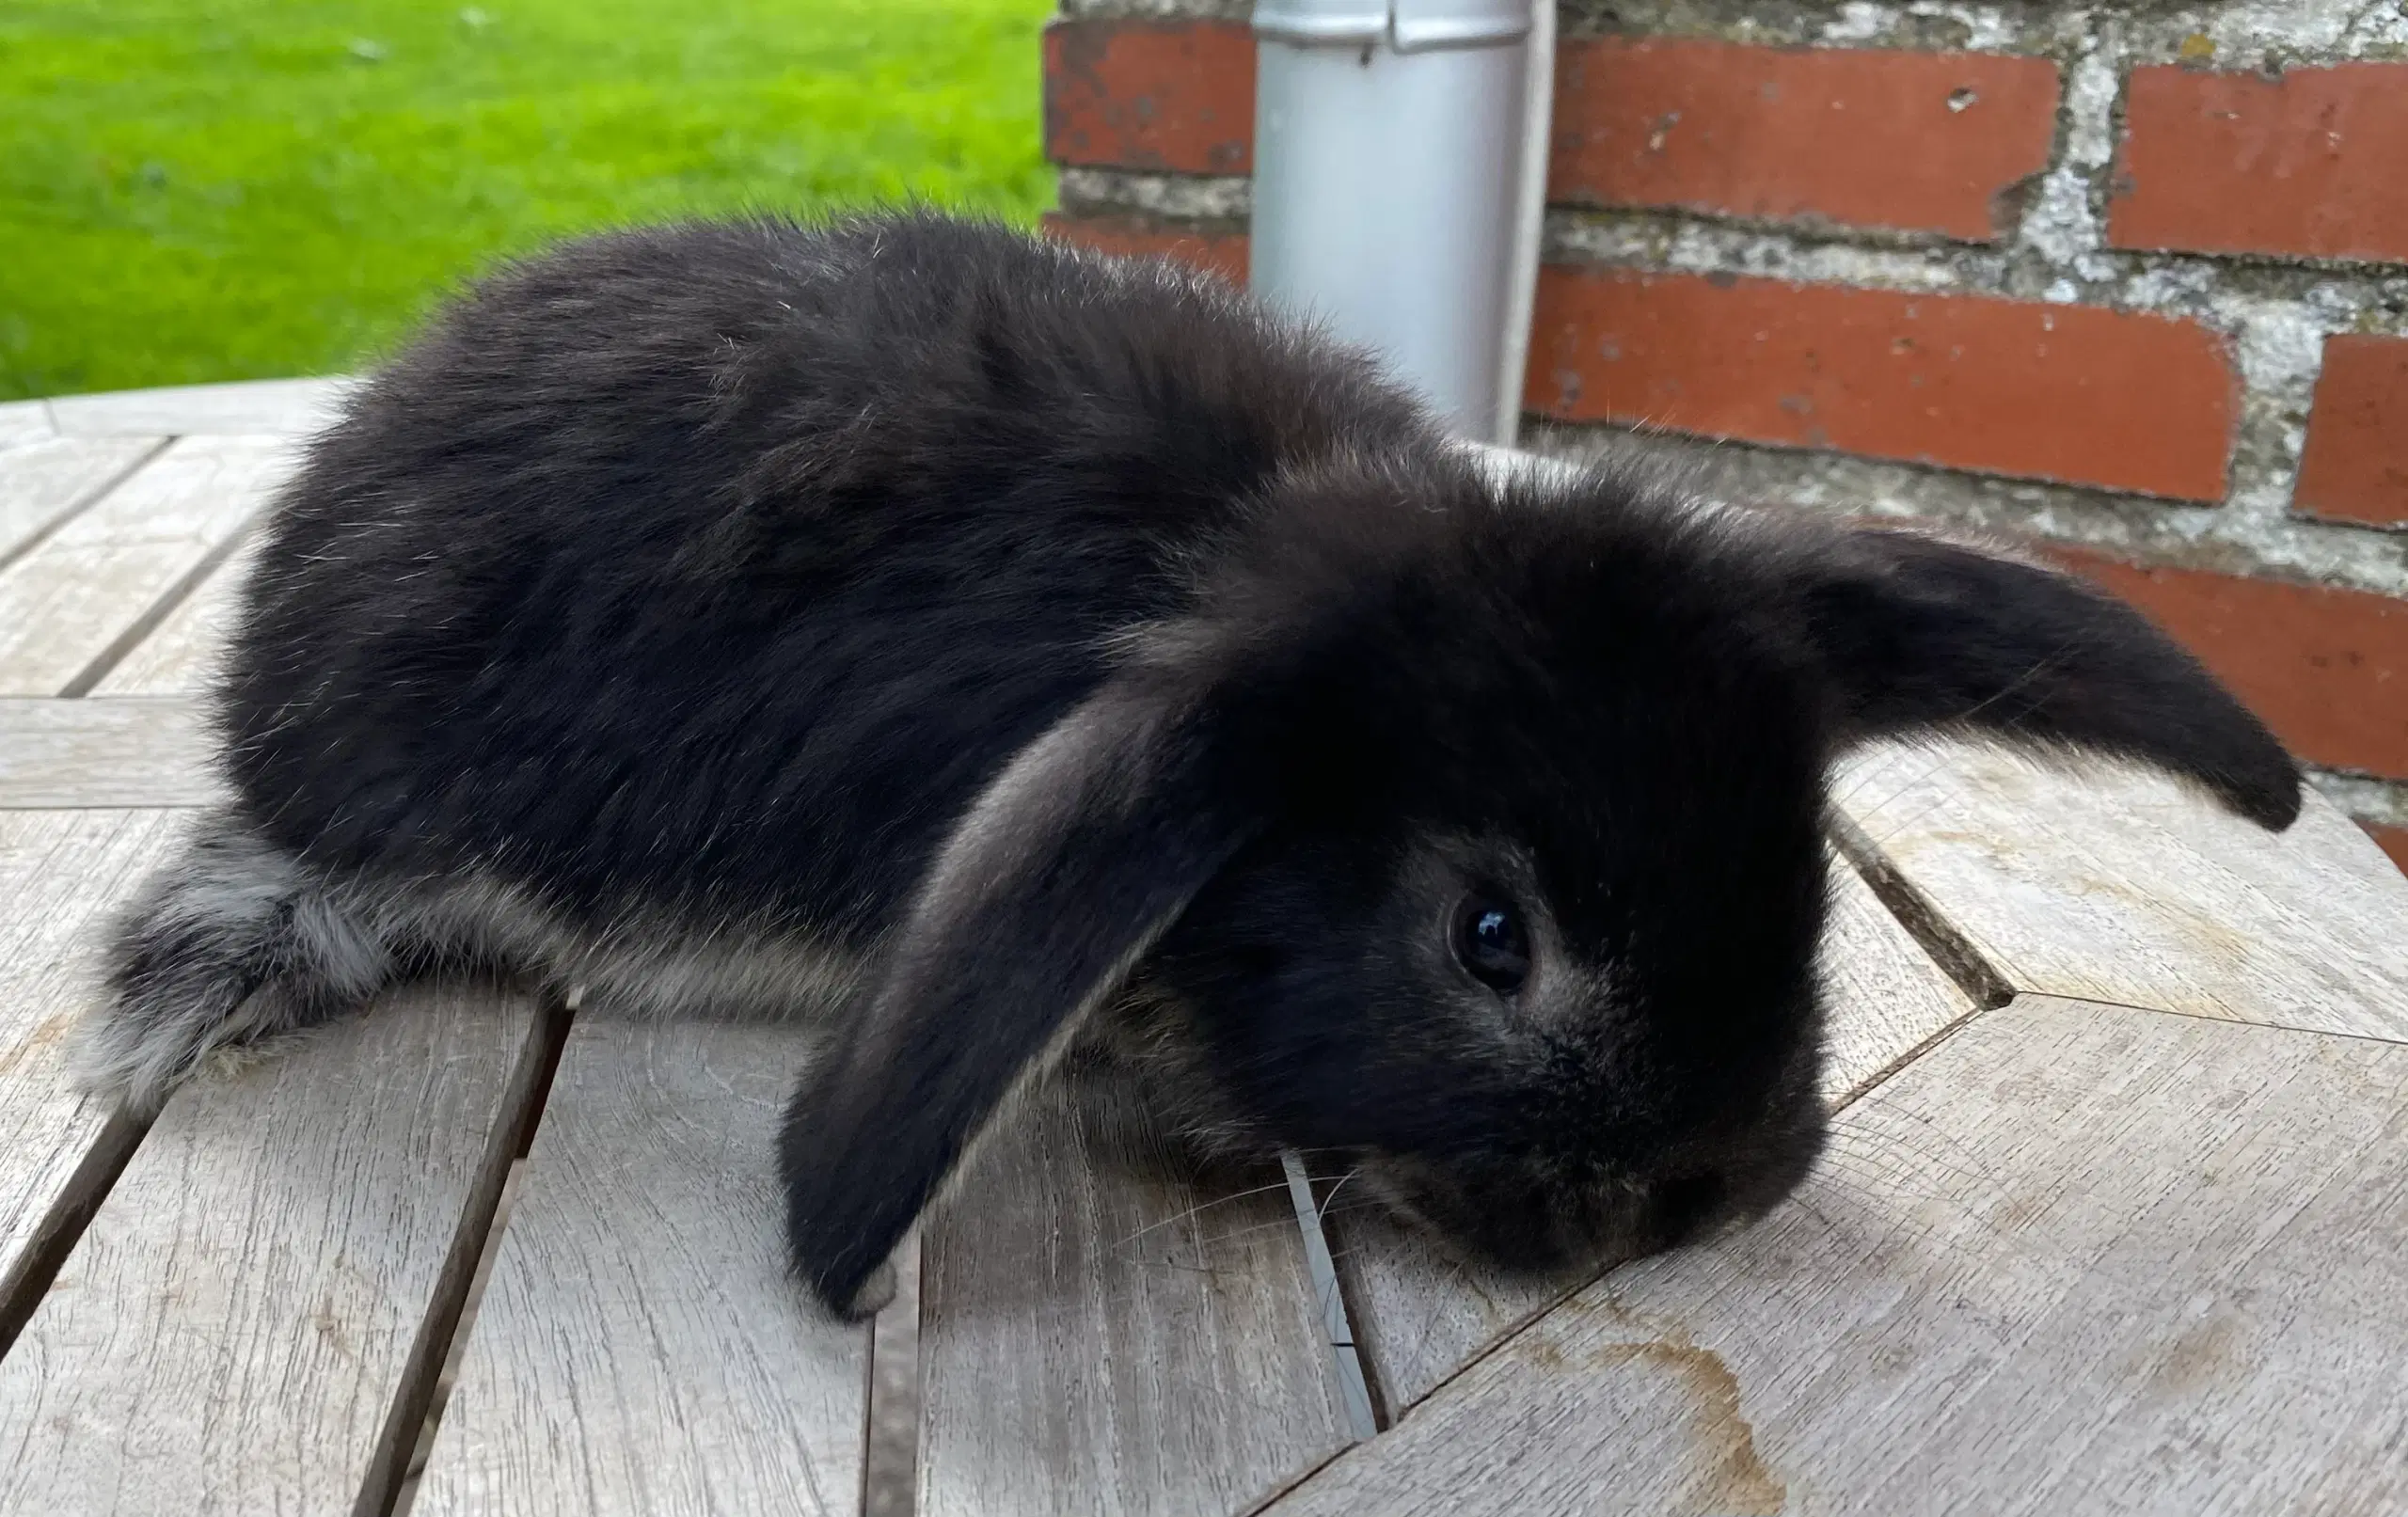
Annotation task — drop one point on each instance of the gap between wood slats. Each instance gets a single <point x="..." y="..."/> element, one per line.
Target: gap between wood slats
<point x="70" y="1211"/>
<point x="158" y="611"/>
<point x="1542" y="1309"/>
<point x="447" y="1377"/>
<point x="1936" y="935"/>
<point x="1364" y="1411"/>
<point x="83" y="503"/>
<point x="890" y="1411"/>
<point x="451" y="1314"/>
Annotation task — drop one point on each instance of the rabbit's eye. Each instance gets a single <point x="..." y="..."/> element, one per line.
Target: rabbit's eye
<point x="1491" y="943"/>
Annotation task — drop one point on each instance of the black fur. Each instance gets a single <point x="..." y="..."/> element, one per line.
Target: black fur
<point x="1061" y="634"/>
<point x="726" y="562"/>
<point x="1921" y="633"/>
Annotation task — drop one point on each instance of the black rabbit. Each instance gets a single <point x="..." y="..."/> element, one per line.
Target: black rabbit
<point x="1015" y="646"/>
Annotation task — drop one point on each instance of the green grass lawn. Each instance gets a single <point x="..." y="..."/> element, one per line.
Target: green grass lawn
<point x="196" y="190"/>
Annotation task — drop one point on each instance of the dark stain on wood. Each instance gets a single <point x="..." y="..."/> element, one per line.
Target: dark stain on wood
<point x="1730" y="1477"/>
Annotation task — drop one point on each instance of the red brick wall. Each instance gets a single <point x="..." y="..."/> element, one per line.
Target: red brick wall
<point x="2355" y="467"/>
<point x="2307" y="162"/>
<point x="1170" y="95"/>
<point x="2065" y="393"/>
<point x="2183" y="326"/>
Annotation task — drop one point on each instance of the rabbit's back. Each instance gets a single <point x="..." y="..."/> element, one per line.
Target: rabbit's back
<point x="720" y="564"/>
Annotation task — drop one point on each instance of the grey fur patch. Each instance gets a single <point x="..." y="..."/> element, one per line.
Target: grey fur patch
<point x="237" y="941"/>
<point x="1141" y="1075"/>
<point x="652" y="962"/>
<point x="229" y="945"/>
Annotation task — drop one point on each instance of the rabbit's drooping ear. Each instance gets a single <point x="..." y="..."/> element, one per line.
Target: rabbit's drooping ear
<point x="1052" y="886"/>
<point x="1921" y="633"/>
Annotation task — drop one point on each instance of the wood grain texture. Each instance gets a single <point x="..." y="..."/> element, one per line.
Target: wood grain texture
<point x="1885" y="997"/>
<point x="1419" y="1317"/>
<point x="41" y="481"/>
<point x="255" y="408"/>
<point x="2113" y="884"/>
<point x="231" y="1330"/>
<point x="1095" y="1339"/>
<point x="2078" y="1258"/>
<point x="180" y="654"/>
<point x="642" y="1347"/>
<point x="61" y="874"/>
<point x="136" y="751"/>
<point x="69" y="601"/>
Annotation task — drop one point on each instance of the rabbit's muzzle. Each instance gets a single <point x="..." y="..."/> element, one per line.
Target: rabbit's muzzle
<point x="1538" y="1213"/>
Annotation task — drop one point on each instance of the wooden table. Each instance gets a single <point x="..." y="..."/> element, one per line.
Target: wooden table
<point x="2115" y="1217"/>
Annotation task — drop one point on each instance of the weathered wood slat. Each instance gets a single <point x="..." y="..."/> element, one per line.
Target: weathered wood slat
<point x="25" y="421"/>
<point x="1886" y="998"/>
<point x="41" y="481"/>
<point x="61" y="874"/>
<point x="178" y="657"/>
<point x="135" y="752"/>
<point x="1419" y="1317"/>
<point x="642" y="1347"/>
<point x="2113" y="884"/>
<point x="2078" y="1258"/>
<point x="256" y="408"/>
<point x="1096" y="1341"/>
<point x="67" y="605"/>
<point x="246" y="1320"/>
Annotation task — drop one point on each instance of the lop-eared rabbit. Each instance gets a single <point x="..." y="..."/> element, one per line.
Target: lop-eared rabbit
<point x="1020" y="655"/>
